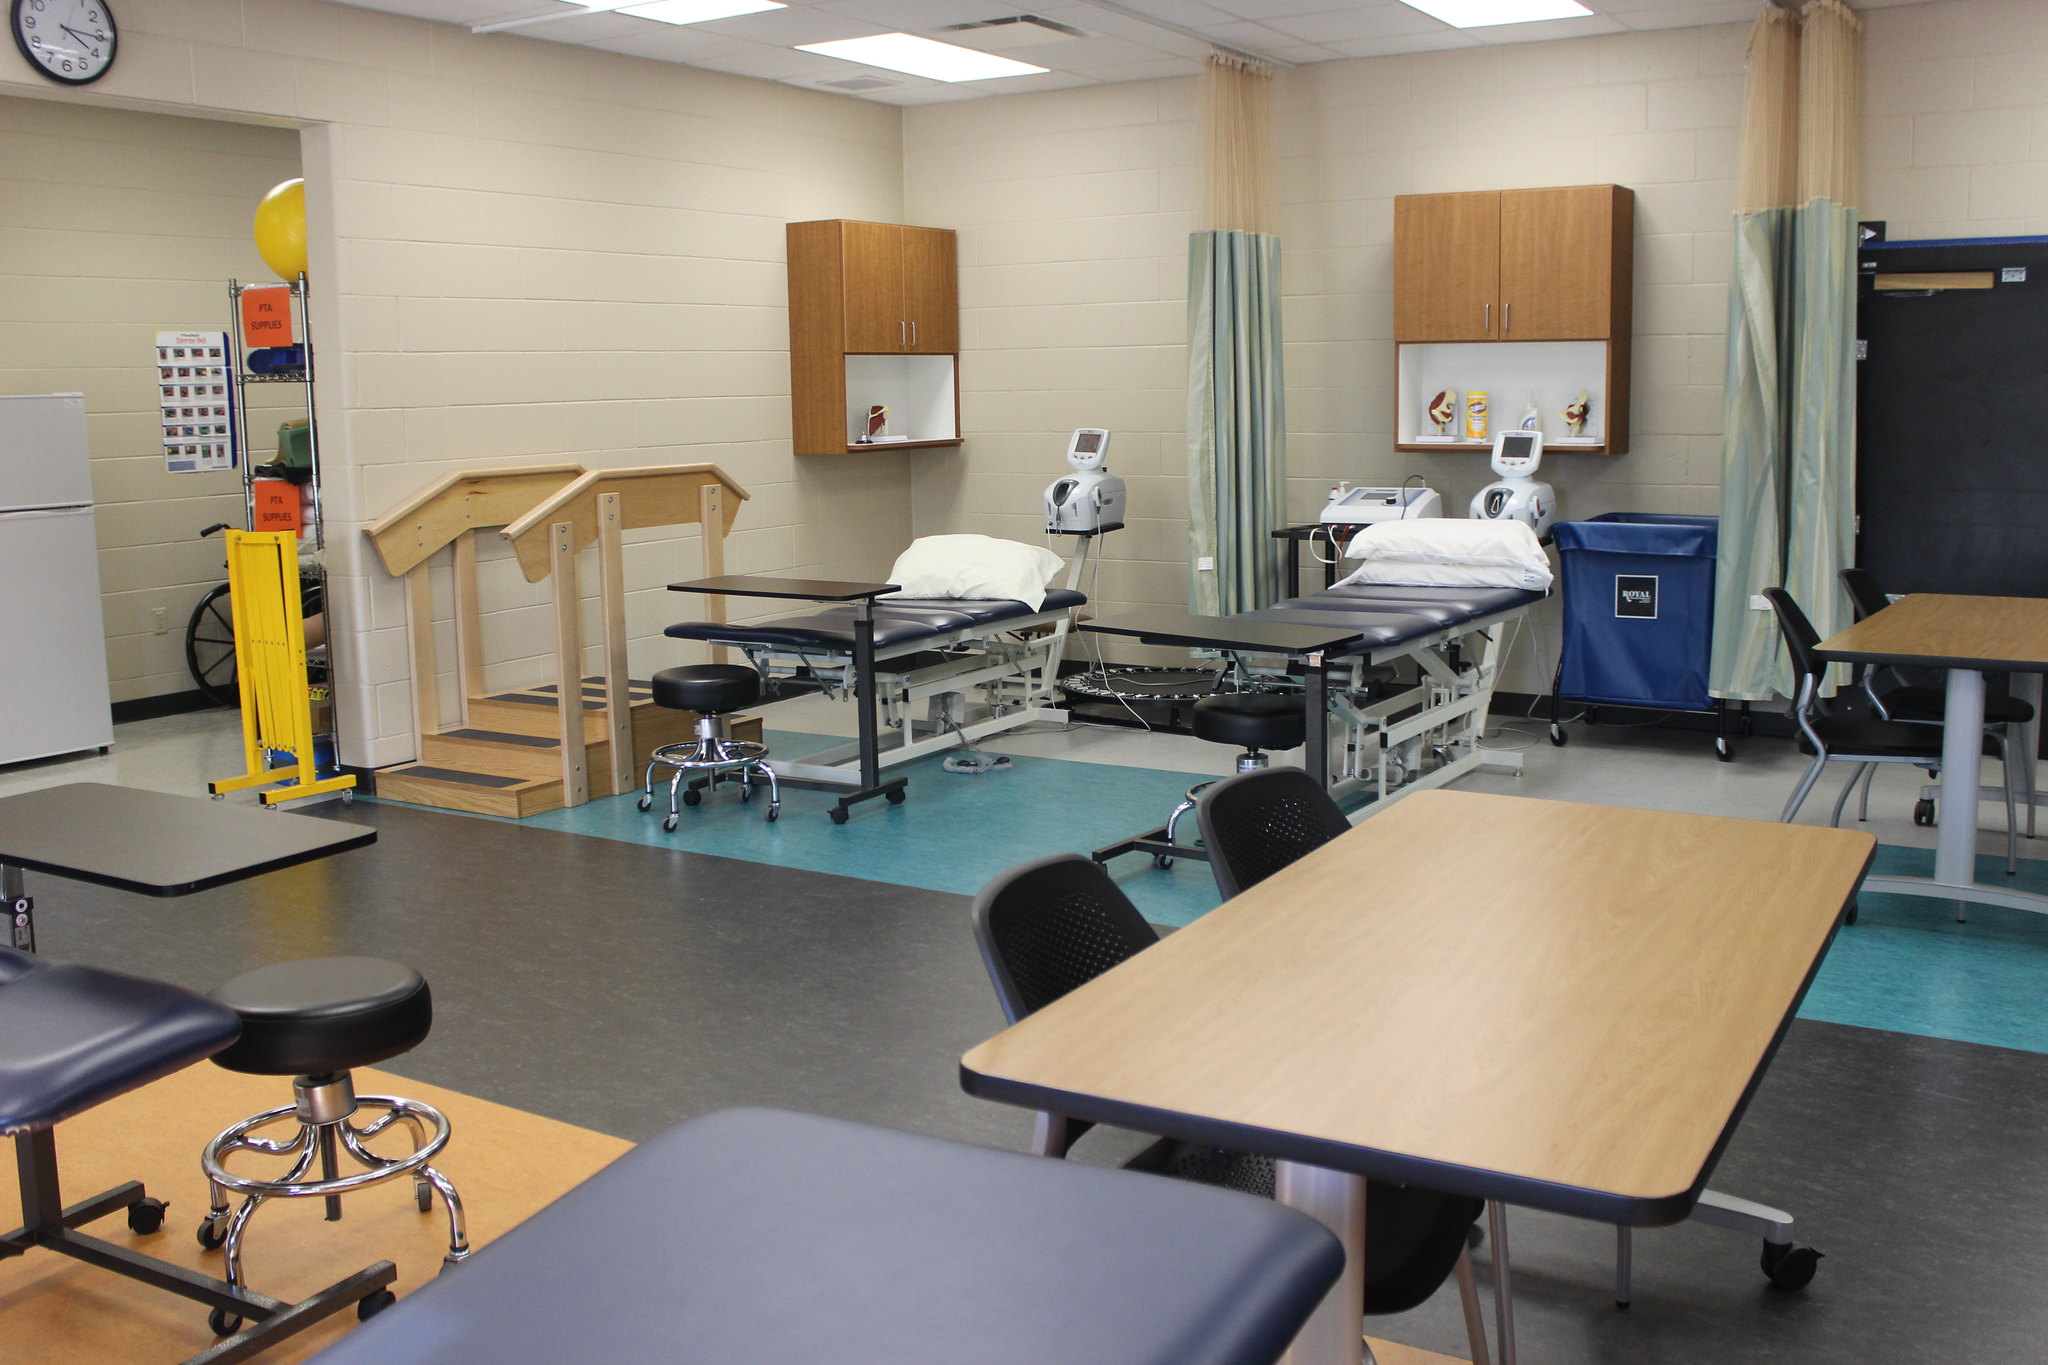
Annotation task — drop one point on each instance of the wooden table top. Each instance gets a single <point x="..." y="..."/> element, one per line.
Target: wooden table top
<point x="2000" y="634"/>
<point x="1561" y="1005"/>
<point x="157" y="844"/>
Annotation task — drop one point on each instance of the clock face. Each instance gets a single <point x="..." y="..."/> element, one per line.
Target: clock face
<point x="67" y="40"/>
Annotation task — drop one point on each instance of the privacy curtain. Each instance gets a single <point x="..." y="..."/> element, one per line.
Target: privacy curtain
<point x="1237" y="410"/>
<point x="1788" y="431"/>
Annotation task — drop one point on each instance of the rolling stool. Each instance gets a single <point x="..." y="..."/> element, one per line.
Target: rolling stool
<point x="713" y="691"/>
<point x="1256" y="720"/>
<point x="315" y="1020"/>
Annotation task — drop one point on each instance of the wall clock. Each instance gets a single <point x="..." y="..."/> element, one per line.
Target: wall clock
<point x="71" y="41"/>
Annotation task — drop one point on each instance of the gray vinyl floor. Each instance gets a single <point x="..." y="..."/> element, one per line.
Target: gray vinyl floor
<point x="623" y="987"/>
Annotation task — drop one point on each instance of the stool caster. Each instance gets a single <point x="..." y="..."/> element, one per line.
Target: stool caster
<point x="370" y="1305"/>
<point x="896" y="796"/>
<point x="1557" y="735"/>
<point x="213" y="1231"/>
<point x="774" y="812"/>
<point x="222" y="1323"/>
<point x="668" y="824"/>
<point x="691" y="797"/>
<point x="1789" y="1267"/>
<point x="1162" y="861"/>
<point x="422" y="1194"/>
<point x="1923" y="812"/>
<point x="840" y="815"/>
<point x="647" y="802"/>
<point x="146" y="1216"/>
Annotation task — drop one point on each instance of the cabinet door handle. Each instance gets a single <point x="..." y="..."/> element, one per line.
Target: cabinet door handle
<point x="1489" y="319"/>
<point x="903" y="335"/>
<point x="913" y="334"/>
<point x="1507" y="318"/>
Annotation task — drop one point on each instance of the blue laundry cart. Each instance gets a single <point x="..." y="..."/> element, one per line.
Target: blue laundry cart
<point x="1638" y="593"/>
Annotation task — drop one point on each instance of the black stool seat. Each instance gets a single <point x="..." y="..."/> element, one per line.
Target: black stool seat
<point x="71" y="1037"/>
<point x="325" y="1014"/>
<point x="1255" y="720"/>
<point x="707" y="689"/>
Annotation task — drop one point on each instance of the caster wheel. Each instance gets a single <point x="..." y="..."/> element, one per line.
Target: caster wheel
<point x="692" y="797"/>
<point x="839" y="815"/>
<point x="212" y="1232"/>
<point x="746" y="793"/>
<point x="146" y="1216"/>
<point x="1557" y="735"/>
<point x="897" y="797"/>
<point x="668" y="824"/>
<point x="774" y="814"/>
<point x="1923" y="812"/>
<point x="370" y="1305"/>
<point x="1722" y="751"/>
<point x="1789" y="1267"/>
<point x="423" y="1196"/>
<point x="1162" y="861"/>
<point x="222" y="1323"/>
<point x="348" y="798"/>
<point x="1849" y="916"/>
<point x="646" y="803"/>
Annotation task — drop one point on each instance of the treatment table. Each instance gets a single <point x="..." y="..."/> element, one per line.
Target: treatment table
<point x="890" y="653"/>
<point x="762" y="1237"/>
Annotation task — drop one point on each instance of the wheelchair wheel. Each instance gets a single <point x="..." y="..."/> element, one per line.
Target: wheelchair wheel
<point x="210" y="638"/>
<point x="210" y="648"/>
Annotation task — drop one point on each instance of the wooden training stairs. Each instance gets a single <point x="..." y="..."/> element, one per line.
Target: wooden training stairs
<point x="515" y="753"/>
<point x="508" y="759"/>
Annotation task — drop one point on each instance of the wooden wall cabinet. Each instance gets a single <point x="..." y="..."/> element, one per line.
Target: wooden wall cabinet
<point x="874" y="317"/>
<point x="1516" y="267"/>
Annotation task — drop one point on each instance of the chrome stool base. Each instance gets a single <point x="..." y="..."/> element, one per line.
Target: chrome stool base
<point x="325" y="1108"/>
<point x="713" y="756"/>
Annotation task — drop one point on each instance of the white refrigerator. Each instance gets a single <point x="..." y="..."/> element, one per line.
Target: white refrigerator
<point x="53" y="646"/>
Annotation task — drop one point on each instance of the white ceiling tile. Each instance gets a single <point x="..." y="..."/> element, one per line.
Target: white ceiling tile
<point x="781" y="63"/>
<point x="1697" y="14"/>
<point x="676" y="43"/>
<point x="921" y="16"/>
<point x="796" y="24"/>
<point x="1387" y="47"/>
<point x="1360" y="23"/>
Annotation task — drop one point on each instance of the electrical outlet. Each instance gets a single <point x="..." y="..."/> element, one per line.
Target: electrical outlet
<point x="160" y="621"/>
<point x="1205" y="565"/>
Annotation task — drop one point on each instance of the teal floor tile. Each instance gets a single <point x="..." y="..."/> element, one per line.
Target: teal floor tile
<point x="1907" y="966"/>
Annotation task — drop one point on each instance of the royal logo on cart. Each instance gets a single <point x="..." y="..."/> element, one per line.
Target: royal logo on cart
<point x="1635" y="595"/>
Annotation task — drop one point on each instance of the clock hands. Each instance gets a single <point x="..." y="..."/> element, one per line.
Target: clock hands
<point x="84" y="41"/>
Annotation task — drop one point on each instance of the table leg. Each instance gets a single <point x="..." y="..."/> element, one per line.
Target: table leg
<point x="2027" y="688"/>
<point x="1335" y="1333"/>
<point x="1962" y="753"/>
<point x="21" y="911"/>
<point x="1317" y="757"/>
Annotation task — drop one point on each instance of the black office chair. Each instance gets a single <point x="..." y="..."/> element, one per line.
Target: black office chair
<point x="1919" y="704"/>
<point x="1054" y="924"/>
<point x="1831" y="738"/>
<point x="1256" y="823"/>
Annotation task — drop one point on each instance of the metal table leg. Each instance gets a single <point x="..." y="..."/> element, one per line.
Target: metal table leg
<point x="21" y="911"/>
<point x="1334" y="1333"/>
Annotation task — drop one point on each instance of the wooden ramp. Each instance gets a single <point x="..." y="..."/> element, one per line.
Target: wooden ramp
<point x="507" y="759"/>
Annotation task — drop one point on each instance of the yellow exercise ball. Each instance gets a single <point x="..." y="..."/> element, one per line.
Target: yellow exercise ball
<point x="281" y="229"/>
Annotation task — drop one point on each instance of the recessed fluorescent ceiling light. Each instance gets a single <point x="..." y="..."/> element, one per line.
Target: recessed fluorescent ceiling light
<point x="698" y="11"/>
<point x="1481" y="13"/>
<point x="921" y="57"/>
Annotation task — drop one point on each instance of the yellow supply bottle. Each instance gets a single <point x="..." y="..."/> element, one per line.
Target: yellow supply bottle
<point x="1475" y="416"/>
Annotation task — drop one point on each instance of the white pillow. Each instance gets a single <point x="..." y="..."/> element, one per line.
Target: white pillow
<point x="1446" y="552"/>
<point x="975" y="568"/>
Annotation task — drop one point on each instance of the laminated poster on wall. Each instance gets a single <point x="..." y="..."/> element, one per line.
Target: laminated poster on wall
<point x="197" y="398"/>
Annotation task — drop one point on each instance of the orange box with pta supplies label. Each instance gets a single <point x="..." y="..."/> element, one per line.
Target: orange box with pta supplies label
<point x="277" y="505"/>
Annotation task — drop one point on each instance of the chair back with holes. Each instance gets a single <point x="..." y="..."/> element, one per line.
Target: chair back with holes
<point x="1254" y="824"/>
<point x="1801" y="639"/>
<point x="1051" y="925"/>
<point x="1865" y="596"/>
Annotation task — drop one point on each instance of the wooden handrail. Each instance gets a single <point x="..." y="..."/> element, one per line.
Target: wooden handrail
<point x="663" y="495"/>
<point x="466" y="500"/>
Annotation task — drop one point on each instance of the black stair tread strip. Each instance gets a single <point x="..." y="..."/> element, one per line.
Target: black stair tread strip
<point x="433" y="774"/>
<point x="501" y="737"/>
<point x="596" y="685"/>
<point x="525" y="699"/>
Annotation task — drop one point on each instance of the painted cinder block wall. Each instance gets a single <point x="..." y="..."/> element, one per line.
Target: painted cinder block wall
<point x="526" y="252"/>
<point x="1073" y="209"/>
<point x="114" y="226"/>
